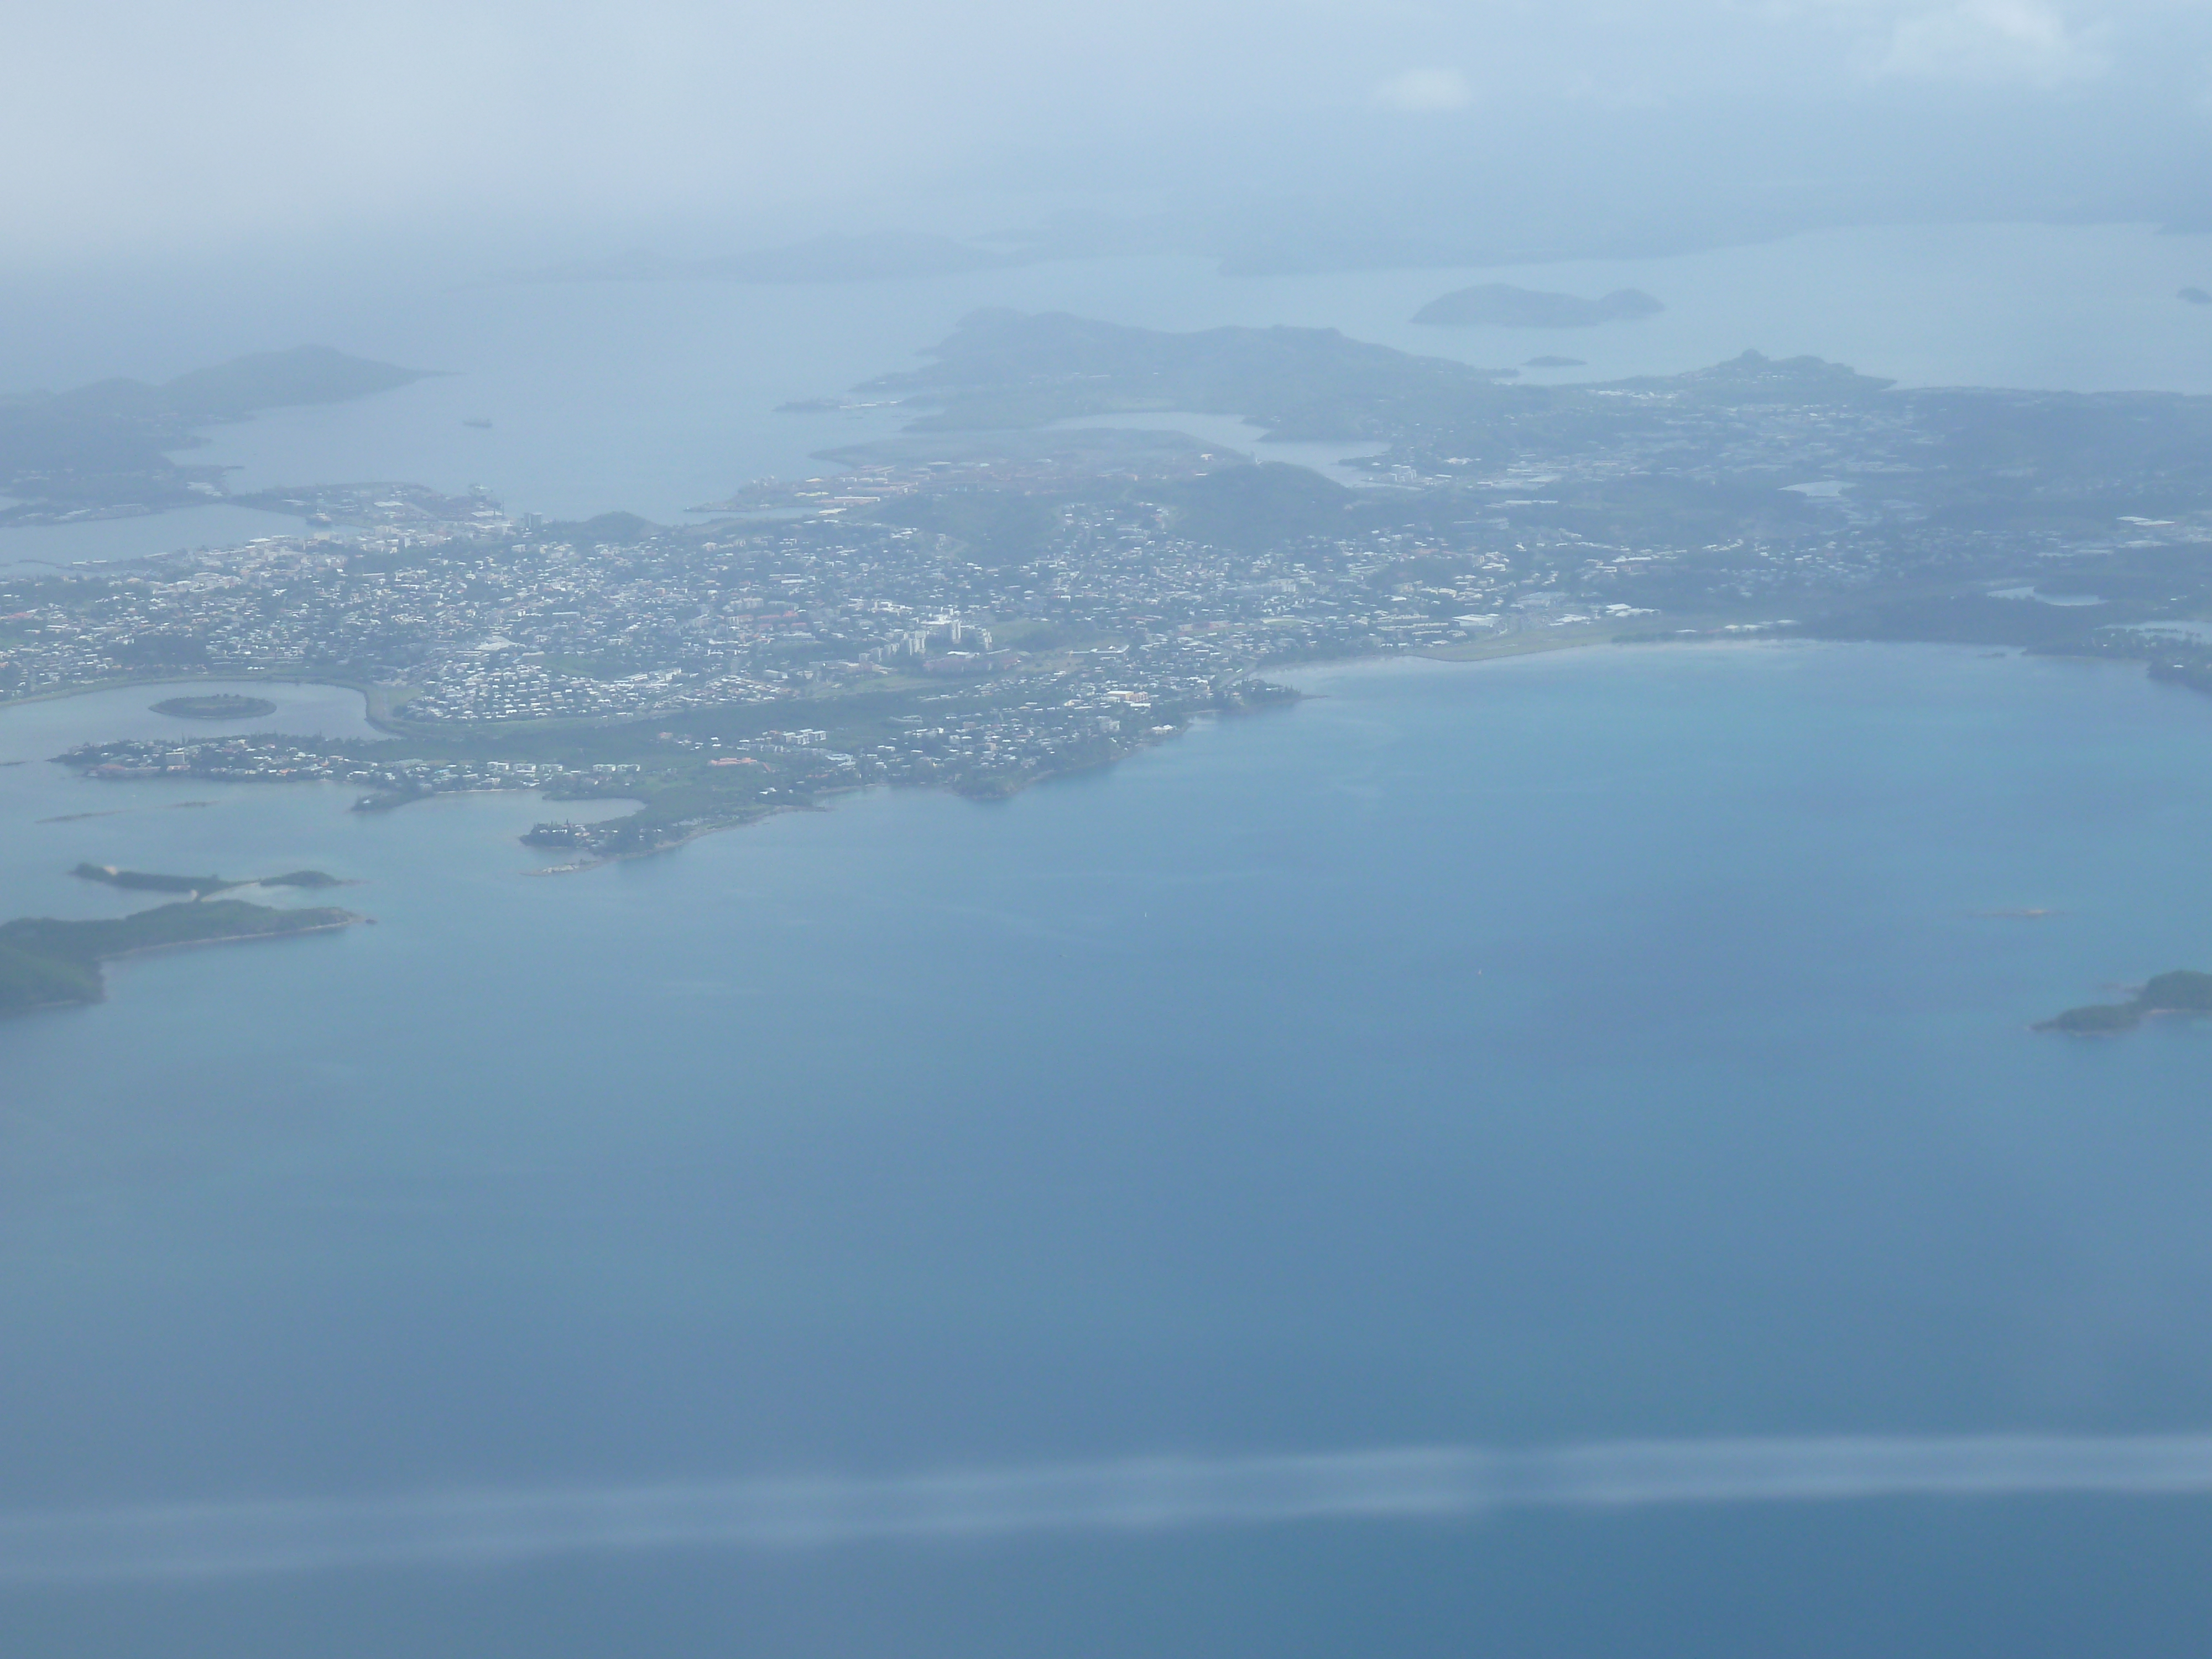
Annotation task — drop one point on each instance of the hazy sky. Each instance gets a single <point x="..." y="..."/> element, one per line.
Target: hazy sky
<point x="133" y="125"/>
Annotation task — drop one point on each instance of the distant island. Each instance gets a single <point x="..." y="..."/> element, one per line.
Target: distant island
<point x="1550" y="360"/>
<point x="48" y="963"/>
<point x="216" y="706"/>
<point x="1001" y="369"/>
<point x="1501" y="305"/>
<point x="2181" y="992"/>
<point x="103" y="450"/>
<point x="199" y="886"/>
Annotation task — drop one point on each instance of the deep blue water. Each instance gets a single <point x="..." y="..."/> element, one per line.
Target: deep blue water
<point x="1615" y="1042"/>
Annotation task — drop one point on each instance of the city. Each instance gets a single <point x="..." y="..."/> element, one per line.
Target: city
<point x="981" y="611"/>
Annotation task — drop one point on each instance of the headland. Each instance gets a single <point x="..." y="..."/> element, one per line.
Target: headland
<point x="46" y="964"/>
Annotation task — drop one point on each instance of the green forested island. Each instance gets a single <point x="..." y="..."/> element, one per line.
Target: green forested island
<point x="2182" y="992"/>
<point x="216" y="706"/>
<point x="1003" y="369"/>
<point x="48" y="963"/>
<point x="199" y="886"/>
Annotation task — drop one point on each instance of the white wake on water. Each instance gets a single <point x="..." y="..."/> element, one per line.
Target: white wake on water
<point x="459" y="1527"/>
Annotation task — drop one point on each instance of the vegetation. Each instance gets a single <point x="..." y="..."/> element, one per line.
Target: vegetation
<point x="1004" y="369"/>
<point x="2182" y="992"/>
<point x="140" y="881"/>
<point x="216" y="706"/>
<point x="608" y="528"/>
<point x="199" y="886"/>
<point x="998" y="527"/>
<point x="1250" y="508"/>
<point x="33" y="979"/>
<point x="45" y="962"/>
<point x="102" y="446"/>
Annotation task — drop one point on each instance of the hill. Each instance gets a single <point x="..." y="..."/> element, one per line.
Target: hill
<point x="46" y="963"/>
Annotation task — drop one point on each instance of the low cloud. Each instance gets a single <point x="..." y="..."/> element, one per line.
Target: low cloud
<point x="470" y="1529"/>
<point x="2022" y="41"/>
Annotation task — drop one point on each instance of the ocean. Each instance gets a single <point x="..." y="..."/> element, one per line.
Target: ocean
<point x="1613" y="1044"/>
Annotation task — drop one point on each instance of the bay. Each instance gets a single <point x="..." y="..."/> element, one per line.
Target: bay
<point x="1614" y="1043"/>
<point x="1610" y="1043"/>
<point x="43" y="549"/>
<point x="656" y="397"/>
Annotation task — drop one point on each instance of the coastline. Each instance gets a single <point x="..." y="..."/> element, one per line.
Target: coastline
<point x="99" y="992"/>
<point x="352" y="918"/>
<point x="1513" y="647"/>
<point x="242" y="676"/>
<point x="684" y="840"/>
<point x="1004" y="790"/>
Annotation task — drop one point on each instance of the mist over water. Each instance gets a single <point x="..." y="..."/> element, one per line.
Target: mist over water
<point x="656" y="397"/>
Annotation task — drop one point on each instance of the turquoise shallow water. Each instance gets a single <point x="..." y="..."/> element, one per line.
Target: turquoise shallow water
<point x="1610" y="1043"/>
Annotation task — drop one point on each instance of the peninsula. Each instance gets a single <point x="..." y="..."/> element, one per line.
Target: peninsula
<point x="2182" y="992"/>
<point x="199" y="886"/>
<point x="49" y="963"/>
<point x="101" y="451"/>
<point x="1003" y="593"/>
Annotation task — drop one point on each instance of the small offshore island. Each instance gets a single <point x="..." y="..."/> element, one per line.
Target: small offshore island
<point x="216" y="706"/>
<point x="200" y="886"/>
<point x="2182" y="992"/>
<point x="50" y="963"/>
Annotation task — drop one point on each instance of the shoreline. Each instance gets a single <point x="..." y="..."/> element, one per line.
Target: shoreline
<point x="102" y="994"/>
<point x="1515" y="647"/>
<point x="1521" y="647"/>
<point x="685" y="840"/>
<point x="352" y="920"/>
<point x="376" y="712"/>
<point x="981" y="796"/>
